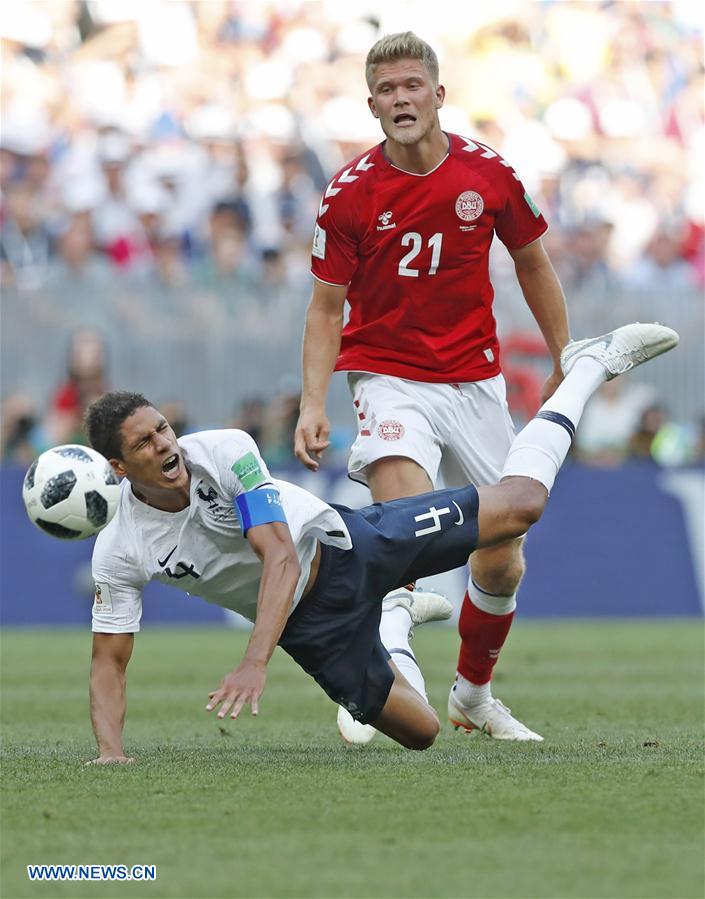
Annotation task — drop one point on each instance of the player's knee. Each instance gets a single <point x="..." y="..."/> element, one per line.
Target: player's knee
<point x="424" y="733"/>
<point x="530" y="503"/>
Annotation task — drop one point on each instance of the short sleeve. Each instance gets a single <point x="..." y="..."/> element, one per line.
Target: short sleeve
<point x="117" y="609"/>
<point x="117" y="583"/>
<point x="519" y="221"/>
<point x="239" y="463"/>
<point x="334" y="255"/>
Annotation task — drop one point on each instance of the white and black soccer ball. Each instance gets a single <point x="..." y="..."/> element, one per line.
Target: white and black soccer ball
<point x="71" y="492"/>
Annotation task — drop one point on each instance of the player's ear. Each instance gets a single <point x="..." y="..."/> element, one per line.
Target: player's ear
<point x="440" y="96"/>
<point x="371" y="105"/>
<point x="118" y="467"/>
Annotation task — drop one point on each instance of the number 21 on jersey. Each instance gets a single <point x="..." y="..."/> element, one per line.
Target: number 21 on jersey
<point x="414" y="240"/>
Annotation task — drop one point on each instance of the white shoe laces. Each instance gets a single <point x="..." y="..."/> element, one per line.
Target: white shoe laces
<point x="498" y="704"/>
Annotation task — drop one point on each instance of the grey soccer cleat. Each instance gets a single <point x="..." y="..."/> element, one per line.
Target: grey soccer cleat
<point x="622" y="349"/>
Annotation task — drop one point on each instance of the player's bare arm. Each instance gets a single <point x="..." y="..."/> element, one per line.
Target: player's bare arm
<point x="544" y="296"/>
<point x="324" y="323"/>
<point x="111" y="654"/>
<point x="280" y="573"/>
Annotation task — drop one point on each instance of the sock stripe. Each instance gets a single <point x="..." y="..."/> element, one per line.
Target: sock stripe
<point x="558" y="419"/>
<point x="404" y="652"/>
<point x="482" y="589"/>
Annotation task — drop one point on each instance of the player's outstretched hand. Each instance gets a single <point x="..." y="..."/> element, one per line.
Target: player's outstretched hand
<point x="311" y="438"/>
<point x="244" y="684"/>
<point x="111" y="760"/>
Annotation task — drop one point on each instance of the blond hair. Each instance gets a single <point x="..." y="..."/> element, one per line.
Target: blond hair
<point x="402" y="45"/>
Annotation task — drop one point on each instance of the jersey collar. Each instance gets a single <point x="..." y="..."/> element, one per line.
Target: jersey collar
<point x="389" y="164"/>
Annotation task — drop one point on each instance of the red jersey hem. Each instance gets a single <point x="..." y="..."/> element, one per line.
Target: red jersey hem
<point x="411" y="373"/>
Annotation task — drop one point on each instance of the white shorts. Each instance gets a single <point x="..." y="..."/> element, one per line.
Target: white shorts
<point x="458" y="433"/>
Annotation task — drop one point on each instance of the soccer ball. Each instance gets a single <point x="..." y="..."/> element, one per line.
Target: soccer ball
<point x="70" y="492"/>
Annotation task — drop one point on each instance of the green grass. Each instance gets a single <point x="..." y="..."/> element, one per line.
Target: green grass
<point x="611" y="805"/>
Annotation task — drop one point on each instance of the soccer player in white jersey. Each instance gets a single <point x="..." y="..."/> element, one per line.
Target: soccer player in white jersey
<point x="203" y="513"/>
<point x="403" y="233"/>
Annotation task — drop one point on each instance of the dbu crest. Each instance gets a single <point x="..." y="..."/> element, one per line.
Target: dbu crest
<point x="469" y="206"/>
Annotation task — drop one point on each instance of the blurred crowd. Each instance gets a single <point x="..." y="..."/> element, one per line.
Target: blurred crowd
<point x="625" y="420"/>
<point x="28" y="430"/>
<point x="182" y="147"/>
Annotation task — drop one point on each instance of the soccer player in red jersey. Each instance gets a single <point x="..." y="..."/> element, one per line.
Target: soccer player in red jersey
<point x="403" y="233"/>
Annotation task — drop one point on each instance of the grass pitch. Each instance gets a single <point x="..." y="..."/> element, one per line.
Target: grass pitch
<point x="611" y="805"/>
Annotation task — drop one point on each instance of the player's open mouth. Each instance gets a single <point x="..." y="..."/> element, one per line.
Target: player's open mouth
<point x="404" y="118"/>
<point x="170" y="468"/>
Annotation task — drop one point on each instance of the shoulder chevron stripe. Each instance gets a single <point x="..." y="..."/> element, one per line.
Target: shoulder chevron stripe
<point x="471" y="146"/>
<point x="344" y="178"/>
<point x="347" y="177"/>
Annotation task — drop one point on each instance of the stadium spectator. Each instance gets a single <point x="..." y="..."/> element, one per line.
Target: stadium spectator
<point x="279" y="427"/>
<point x="24" y="238"/>
<point x="75" y="265"/>
<point x="251" y="417"/>
<point x="19" y="439"/>
<point x="86" y="380"/>
<point x="584" y="265"/>
<point x="227" y="264"/>
<point x="662" y="267"/>
<point x="640" y="445"/>
<point x="610" y="420"/>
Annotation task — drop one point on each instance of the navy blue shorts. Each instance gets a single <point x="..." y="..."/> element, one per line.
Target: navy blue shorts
<point x="333" y="633"/>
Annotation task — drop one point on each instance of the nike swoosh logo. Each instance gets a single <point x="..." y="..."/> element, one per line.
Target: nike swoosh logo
<point x="460" y="512"/>
<point x="162" y="564"/>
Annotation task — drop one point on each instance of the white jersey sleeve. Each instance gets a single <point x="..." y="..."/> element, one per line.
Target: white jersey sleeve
<point x="118" y="582"/>
<point x="240" y="466"/>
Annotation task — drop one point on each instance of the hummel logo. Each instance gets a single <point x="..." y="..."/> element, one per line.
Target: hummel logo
<point x="385" y="219"/>
<point x="162" y="564"/>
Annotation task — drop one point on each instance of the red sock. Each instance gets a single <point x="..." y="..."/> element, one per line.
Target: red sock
<point x="481" y="637"/>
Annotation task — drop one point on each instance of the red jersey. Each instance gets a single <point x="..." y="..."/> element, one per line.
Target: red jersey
<point x="414" y="250"/>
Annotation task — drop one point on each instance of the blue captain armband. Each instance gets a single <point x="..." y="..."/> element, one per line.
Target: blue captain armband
<point x="261" y="506"/>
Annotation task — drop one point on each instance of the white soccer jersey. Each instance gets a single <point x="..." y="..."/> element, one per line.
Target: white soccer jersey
<point x="201" y="549"/>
